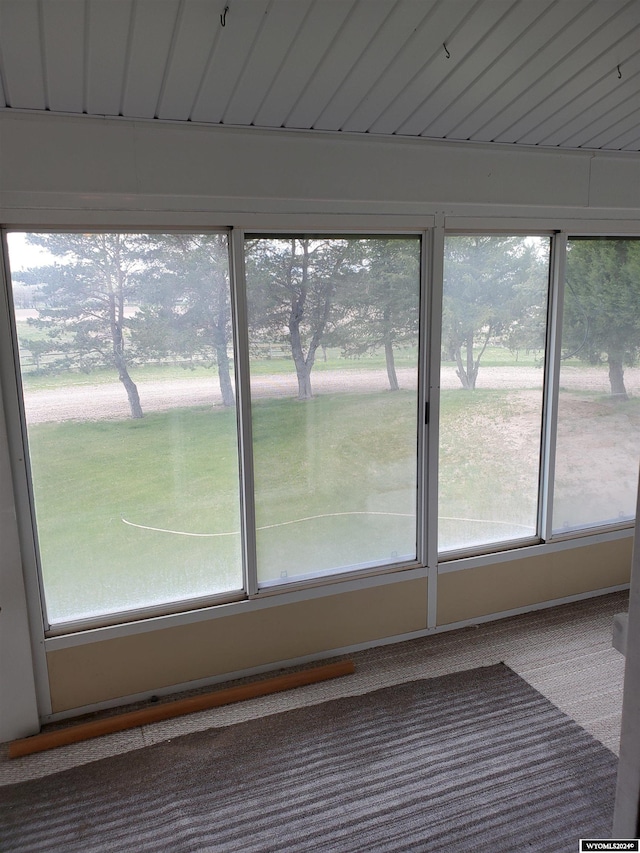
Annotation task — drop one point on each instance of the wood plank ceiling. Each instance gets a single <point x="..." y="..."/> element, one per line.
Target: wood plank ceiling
<point x="561" y="73"/>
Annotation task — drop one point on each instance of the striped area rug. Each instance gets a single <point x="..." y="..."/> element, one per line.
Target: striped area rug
<point x="477" y="760"/>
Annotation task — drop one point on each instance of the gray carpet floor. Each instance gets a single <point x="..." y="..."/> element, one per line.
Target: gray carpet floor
<point x="564" y="652"/>
<point x="475" y="760"/>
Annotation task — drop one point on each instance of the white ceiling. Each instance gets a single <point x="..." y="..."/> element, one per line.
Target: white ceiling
<point x="534" y="72"/>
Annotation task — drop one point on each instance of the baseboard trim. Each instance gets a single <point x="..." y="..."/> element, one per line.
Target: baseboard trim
<point x="324" y="655"/>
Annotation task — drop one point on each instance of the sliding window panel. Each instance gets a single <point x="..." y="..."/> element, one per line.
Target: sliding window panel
<point x="598" y="433"/>
<point x="494" y="317"/>
<point x="126" y="363"/>
<point x="333" y="332"/>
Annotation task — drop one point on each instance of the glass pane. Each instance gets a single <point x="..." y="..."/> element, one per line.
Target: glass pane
<point x="598" y="441"/>
<point x="493" y="339"/>
<point x="126" y="360"/>
<point x="333" y="327"/>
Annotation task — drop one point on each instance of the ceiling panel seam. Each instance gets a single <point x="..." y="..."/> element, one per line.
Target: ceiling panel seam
<point x="3" y="80"/>
<point x="592" y="108"/>
<point x="392" y="61"/>
<point x="575" y="76"/>
<point x="530" y="86"/>
<point x="283" y="61"/>
<point x="320" y="64"/>
<point x="510" y="47"/>
<point x="168" y="63"/>
<point x="611" y="140"/>
<point x="633" y="145"/>
<point x="564" y="59"/>
<point x="437" y="51"/>
<point x="613" y="92"/>
<point x="463" y="61"/>
<point x="205" y="71"/>
<point x="127" y="56"/>
<point x="468" y="124"/>
<point x="247" y="58"/>
<point x="618" y="144"/>
<point x="85" y="56"/>
<point x="341" y="87"/>
<point x="43" y="55"/>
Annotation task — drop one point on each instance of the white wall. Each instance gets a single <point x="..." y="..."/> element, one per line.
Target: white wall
<point x="75" y="164"/>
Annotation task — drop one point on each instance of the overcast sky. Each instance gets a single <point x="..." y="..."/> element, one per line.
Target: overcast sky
<point x="22" y="256"/>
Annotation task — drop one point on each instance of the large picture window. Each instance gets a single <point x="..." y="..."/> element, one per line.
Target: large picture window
<point x="333" y="329"/>
<point x="493" y="341"/>
<point x="126" y="360"/>
<point x="128" y="374"/>
<point x="598" y="444"/>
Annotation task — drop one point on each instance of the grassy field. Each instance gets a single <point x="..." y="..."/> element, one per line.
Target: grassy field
<point x="335" y="487"/>
<point x="332" y="457"/>
<point x="178" y="472"/>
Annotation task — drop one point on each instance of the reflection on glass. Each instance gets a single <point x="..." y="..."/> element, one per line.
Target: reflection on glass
<point x="493" y="339"/>
<point x="333" y="326"/>
<point x="125" y="353"/>
<point x="598" y="443"/>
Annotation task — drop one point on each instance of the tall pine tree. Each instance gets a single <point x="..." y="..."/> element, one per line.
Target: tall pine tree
<point x="84" y="296"/>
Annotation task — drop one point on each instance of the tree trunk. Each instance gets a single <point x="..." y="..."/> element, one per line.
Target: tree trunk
<point x="467" y="373"/>
<point x="616" y="378"/>
<point x="303" y="365"/>
<point x="304" y="382"/>
<point x="224" y="375"/>
<point x="391" y="366"/>
<point x="461" y="373"/>
<point x="123" y="373"/>
<point x="221" y="334"/>
<point x="132" y="390"/>
<point x="471" y="371"/>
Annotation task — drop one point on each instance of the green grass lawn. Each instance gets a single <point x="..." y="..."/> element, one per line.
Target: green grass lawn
<point x="335" y="488"/>
<point x="324" y="461"/>
<point x="177" y="471"/>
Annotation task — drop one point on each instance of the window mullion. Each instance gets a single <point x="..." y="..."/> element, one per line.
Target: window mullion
<point x="32" y="619"/>
<point x="243" y="390"/>
<point x="552" y="384"/>
<point x="431" y="367"/>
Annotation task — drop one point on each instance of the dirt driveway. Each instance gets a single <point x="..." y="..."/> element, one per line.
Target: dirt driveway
<point x="97" y="402"/>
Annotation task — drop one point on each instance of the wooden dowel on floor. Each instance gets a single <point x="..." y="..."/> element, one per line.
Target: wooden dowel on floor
<point x="85" y="731"/>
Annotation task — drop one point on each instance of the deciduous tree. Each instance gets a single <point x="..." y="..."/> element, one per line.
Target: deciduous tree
<point x="602" y="305"/>
<point x="292" y="284"/>
<point x="485" y="279"/>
